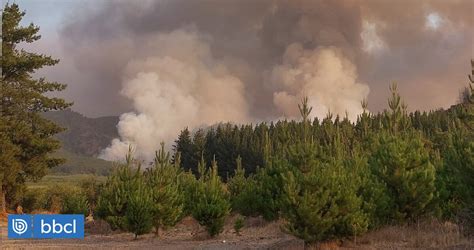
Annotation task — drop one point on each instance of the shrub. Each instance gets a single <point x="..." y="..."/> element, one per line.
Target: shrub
<point x="75" y="203"/>
<point x="91" y="188"/>
<point x="65" y="199"/>
<point x="212" y="202"/>
<point x="34" y="199"/>
<point x="238" y="224"/>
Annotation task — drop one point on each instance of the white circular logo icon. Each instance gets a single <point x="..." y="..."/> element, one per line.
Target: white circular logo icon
<point x="19" y="226"/>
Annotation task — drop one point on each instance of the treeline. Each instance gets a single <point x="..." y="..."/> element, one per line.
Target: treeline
<point x="327" y="179"/>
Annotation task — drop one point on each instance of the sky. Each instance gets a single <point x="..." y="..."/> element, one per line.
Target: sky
<point x="167" y="64"/>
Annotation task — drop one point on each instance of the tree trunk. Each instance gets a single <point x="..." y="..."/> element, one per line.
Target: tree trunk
<point x="3" y="202"/>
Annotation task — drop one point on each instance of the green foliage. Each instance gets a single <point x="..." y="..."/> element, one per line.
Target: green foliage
<point x="34" y="199"/>
<point x="114" y="198"/>
<point x="75" y="203"/>
<point x="268" y="190"/>
<point x="79" y="164"/>
<point x="139" y="211"/>
<point x="65" y="199"/>
<point x="163" y="180"/>
<point x="321" y="199"/>
<point x="403" y="164"/>
<point x="243" y="192"/>
<point x="212" y="202"/>
<point x="456" y="177"/>
<point x="188" y="186"/>
<point x="91" y="188"/>
<point x="373" y="191"/>
<point x="239" y="224"/>
<point x="26" y="137"/>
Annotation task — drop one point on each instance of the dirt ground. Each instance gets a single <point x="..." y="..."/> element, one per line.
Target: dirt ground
<point x="256" y="234"/>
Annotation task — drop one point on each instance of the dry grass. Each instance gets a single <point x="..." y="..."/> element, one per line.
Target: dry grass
<point x="257" y="233"/>
<point x="424" y="235"/>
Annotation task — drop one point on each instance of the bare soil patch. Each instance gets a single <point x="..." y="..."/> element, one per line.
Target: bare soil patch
<point x="256" y="234"/>
<point x="188" y="234"/>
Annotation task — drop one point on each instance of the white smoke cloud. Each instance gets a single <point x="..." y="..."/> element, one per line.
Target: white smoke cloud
<point x="180" y="85"/>
<point x="324" y="75"/>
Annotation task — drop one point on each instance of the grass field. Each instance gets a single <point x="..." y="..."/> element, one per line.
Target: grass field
<point x="75" y="179"/>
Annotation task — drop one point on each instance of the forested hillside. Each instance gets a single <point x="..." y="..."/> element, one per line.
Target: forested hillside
<point x="82" y="141"/>
<point x="84" y="136"/>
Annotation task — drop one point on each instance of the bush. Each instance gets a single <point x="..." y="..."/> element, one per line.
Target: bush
<point x="238" y="224"/>
<point x="91" y="188"/>
<point x="75" y="203"/>
<point x="34" y="199"/>
<point x="65" y="199"/>
<point x="212" y="202"/>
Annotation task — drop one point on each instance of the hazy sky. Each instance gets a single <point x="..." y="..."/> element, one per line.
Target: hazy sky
<point x="425" y="46"/>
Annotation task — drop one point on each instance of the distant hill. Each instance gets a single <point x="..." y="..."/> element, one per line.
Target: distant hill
<point x="84" y="136"/>
<point x="79" y="164"/>
<point x="83" y="141"/>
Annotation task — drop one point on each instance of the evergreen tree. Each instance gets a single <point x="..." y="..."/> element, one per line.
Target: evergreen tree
<point x="163" y="181"/>
<point x="457" y="174"/>
<point x="75" y="203"/>
<point x="185" y="147"/>
<point x="403" y="164"/>
<point x="212" y="203"/>
<point x="114" y="199"/>
<point x="139" y="212"/>
<point x="244" y="193"/>
<point x="321" y="199"/>
<point x="27" y="136"/>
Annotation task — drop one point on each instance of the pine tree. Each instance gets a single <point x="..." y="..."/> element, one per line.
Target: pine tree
<point x="403" y="164"/>
<point x="185" y="147"/>
<point x="305" y="111"/>
<point x="139" y="211"/>
<point x="321" y="199"/>
<point x="22" y="100"/>
<point x="163" y="181"/>
<point x="212" y="203"/>
<point x="113" y="201"/>
<point x="244" y="193"/>
<point x="457" y="173"/>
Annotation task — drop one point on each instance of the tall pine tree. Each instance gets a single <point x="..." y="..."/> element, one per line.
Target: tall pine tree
<point x="26" y="134"/>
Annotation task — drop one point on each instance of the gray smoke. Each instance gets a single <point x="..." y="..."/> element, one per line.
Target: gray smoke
<point x="189" y="63"/>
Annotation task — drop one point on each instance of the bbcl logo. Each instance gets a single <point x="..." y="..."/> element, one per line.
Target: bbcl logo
<point x="45" y="226"/>
<point x="19" y="226"/>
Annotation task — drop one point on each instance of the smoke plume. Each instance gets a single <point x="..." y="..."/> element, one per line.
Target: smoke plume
<point x="181" y="85"/>
<point x="166" y="65"/>
<point x="324" y="75"/>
